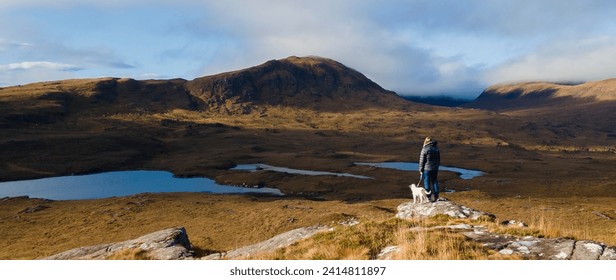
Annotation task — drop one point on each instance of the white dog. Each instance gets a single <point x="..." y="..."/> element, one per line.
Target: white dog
<point x="419" y="193"/>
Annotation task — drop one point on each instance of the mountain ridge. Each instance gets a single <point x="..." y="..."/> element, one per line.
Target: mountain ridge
<point x="302" y="82"/>
<point x="529" y="95"/>
<point x="306" y="82"/>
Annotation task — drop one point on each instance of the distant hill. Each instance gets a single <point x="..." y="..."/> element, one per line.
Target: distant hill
<point x="581" y="112"/>
<point x="47" y="102"/>
<point x="545" y="96"/>
<point x="299" y="82"/>
<point x="440" y="100"/>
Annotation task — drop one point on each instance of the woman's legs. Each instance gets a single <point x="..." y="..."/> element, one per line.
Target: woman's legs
<point x="431" y="183"/>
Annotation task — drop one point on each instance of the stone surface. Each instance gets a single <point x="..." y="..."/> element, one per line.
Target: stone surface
<point x="554" y="248"/>
<point x="513" y="223"/>
<point x="528" y="247"/>
<point x="387" y="253"/>
<point x="587" y="250"/>
<point x="167" y="244"/>
<point x="609" y="254"/>
<point x="409" y="210"/>
<point x="270" y="245"/>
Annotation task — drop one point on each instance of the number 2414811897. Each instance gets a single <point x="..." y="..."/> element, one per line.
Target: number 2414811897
<point x="354" y="270"/>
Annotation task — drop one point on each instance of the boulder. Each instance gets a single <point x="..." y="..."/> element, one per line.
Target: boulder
<point x="167" y="244"/>
<point x="553" y="248"/>
<point x="270" y="245"/>
<point x="420" y="210"/>
<point x="587" y="250"/>
<point x="609" y="254"/>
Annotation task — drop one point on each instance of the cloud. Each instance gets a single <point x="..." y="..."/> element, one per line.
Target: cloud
<point x="34" y="71"/>
<point x="343" y="30"/>
<point x="561" y="61"/>
<point x="423" y="46"/>
<point x="9" y="45"/>
<point x="27" y="65"/>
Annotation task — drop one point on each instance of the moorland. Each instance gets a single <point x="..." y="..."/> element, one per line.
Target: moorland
<point x="547" y="150"/>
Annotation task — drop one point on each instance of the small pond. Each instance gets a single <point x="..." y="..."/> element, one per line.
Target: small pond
<point x="260" y="166"/>
<point x="121" y="183"/>
<point x="414" y="166"/>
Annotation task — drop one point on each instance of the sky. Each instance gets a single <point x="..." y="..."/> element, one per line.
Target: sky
<point x="413" y="47"/>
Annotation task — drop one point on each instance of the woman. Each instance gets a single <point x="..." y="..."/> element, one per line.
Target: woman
<point x="429" y="161"/>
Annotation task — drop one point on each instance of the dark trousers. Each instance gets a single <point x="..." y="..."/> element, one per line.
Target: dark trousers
<point x="430" y="182"/>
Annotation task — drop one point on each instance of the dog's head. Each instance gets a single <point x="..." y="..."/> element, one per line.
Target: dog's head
<point x="412" y="186"/>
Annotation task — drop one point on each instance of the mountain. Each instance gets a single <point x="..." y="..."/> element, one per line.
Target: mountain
<point x="583" y="113"/>
<point x="303" y="82"/>
<point x="300" y="82"/>
<point x="546" y="96"/>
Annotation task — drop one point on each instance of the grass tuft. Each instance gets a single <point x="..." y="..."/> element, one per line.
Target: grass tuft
<point x="365" y="241"/>
<point x="129" y="254"/>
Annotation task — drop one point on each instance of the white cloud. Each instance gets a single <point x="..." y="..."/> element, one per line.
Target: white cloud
<point x="561" y="61"/>
<point x="8" y="45"/>
<point x="341" y="30"/>
<point x="34" y="71"/>
<point x="27" y="65"/>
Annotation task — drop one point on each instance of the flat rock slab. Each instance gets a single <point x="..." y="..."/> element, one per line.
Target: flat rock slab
<point x="270" y="245"/>
<point x="609" y="254"/>
<point x="167" y="244"/>
<point x="419" y="210"/>
<point x="531" y="247"/>
<point x="587" y="250"/>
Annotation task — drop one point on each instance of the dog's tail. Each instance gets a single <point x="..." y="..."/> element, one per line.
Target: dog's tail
<point x="429" y="192"/>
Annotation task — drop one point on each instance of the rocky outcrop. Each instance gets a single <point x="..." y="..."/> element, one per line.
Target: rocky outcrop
<point x="528" y="247"/>
<point x="167" y="244"/>
<point x="418" y="210"/>
<point x="541" y="248"/>
<point x="270" y="245"/>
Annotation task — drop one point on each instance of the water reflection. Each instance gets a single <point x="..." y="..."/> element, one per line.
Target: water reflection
<point x="414" y="166"/>
<point x="260" y="166"/>
<point x="121" y="183"/>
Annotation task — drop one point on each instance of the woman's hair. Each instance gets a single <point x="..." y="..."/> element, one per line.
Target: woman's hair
<point x="428" y="140"/>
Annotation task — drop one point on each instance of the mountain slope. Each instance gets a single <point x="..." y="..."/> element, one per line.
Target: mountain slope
<point x="581" y="113"/>
<point x="309" y="82"/>
<point x="306" y="82"/>
<point x="48" y="102"/>
<point x="525" y="96"/>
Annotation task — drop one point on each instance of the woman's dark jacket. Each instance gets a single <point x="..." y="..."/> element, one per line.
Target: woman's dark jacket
<point x="430" y="157"/>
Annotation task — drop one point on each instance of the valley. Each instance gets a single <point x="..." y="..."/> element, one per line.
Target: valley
<point x="552" y="164"/>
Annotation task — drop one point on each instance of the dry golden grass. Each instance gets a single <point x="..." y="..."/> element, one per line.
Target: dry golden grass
<point x="360" y="242"/>
<point x="214" y="223"/>
<point x="129" y="254"/>
<point x="441" y="245"/>
<point x="415" y="239"/>
<point x="574" y="217"/>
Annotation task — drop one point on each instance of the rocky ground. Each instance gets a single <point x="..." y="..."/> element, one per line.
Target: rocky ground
<point x="526" y="246"/>
<point x="173" y="243"/>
